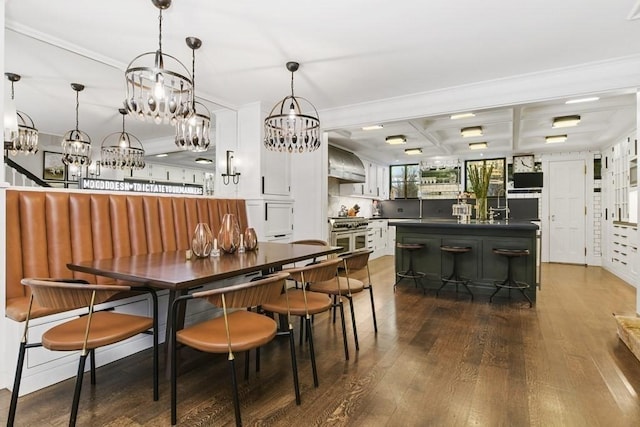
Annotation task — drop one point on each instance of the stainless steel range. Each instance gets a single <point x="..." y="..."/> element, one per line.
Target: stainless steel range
<point x="350" y="233"/>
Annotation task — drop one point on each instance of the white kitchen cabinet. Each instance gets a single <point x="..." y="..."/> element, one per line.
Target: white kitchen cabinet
<point x="383" y="182"/>
<point x="376" y="185"/>
<point x="391" y="240"/>
<point x="378" y="237"/>
<point x="276" y="173"/>
<point x="352" y="189"/>
<point x="271" y="219"/>
<point x="623" y="251"/>
<point x="278" y="218"/>
<point x="371" y="184"/>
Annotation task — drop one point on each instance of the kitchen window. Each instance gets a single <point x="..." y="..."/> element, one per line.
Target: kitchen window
<point x="405" y="181"/>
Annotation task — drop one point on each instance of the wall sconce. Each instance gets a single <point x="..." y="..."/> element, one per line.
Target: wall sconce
<point x="94" y="169"/>
<point x="231" y="170"/>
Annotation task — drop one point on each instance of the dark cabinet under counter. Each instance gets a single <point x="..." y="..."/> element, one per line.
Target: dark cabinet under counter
<point x="480" y="265"/>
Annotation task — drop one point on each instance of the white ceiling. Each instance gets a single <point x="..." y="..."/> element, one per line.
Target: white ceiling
<point x="351" y="52"/>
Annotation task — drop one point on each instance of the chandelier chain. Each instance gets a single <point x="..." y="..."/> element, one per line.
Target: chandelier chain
<point x="12" y="93"/>
<point x="292" y="84"/>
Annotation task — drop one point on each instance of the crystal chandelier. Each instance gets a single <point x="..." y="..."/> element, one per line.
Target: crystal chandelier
<point x="21" y="135"/>
<point x="162" y="91"/>
<point x="193" y="133"/>
<point x="122" y="150"/>
<point x="76" y="145"/>
<point x="287" y="128"/>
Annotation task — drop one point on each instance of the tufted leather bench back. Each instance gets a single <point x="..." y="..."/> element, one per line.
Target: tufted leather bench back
<point x="48" y="229"/>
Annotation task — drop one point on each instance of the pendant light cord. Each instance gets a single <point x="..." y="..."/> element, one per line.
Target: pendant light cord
<point x="292" y="84"/>
<point x="193" y="78"/>
<point x="77" y="108"/>
<point x="160" y="31"/>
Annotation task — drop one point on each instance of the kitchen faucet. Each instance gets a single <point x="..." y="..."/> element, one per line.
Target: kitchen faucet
<point x="506" y="205"/>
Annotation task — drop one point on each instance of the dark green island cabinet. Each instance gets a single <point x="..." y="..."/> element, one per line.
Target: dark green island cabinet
<point x="480" y="265"/>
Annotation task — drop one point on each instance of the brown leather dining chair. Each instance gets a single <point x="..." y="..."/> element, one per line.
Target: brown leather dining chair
<point x="85" y="333"/>
<point x="304" y="303"/>
<point x="234" y="331"/>
<point x="347" y="285"/>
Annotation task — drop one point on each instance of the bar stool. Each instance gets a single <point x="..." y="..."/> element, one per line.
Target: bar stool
<point x="410" y="273"/>
<point x="454" y="277"/>
<point x="510" y="282"/>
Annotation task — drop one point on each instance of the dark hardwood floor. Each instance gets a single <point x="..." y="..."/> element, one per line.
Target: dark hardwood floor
<point x="434" y="362"/>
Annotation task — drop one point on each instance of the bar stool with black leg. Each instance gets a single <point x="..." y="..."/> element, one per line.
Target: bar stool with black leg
<point x="510" y="283"/>
<point x="454" y="277"/>
<point x="410" y="273"/>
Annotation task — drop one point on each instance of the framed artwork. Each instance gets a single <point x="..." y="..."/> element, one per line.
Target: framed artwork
<point x="497" y="182"/>
<point x="52" y="167"/>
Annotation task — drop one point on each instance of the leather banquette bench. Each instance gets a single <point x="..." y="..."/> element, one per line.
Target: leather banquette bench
<point x="48" y="229"/>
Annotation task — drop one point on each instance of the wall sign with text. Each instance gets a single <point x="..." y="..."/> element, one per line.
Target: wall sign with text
<point x="140" y="186"/>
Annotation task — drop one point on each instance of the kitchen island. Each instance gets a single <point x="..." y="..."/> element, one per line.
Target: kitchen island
<point x="480" y="265"/>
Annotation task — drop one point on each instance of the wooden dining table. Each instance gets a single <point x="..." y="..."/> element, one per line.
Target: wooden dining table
<point x="173" y="271"/>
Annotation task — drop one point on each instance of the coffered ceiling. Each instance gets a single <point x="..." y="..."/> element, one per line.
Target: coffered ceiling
<point x="516" y="129"/>
<point x="352" y="53"/>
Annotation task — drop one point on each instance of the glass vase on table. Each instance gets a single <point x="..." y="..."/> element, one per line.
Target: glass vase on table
<point x="229" y="234"/>
<point x="202" y="241"/>
<point x="250" y="239"/>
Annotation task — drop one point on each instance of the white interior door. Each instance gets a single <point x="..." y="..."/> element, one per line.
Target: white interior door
<point x="567" y="215"/>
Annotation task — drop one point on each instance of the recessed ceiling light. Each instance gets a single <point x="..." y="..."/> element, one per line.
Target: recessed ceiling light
<point x="413" y="151"/>
<point x="372" y="127"/>
<point x="471" y="131"/>
<point x="396" y="139"/>
<point x="162" y="155"/>
<point x="555" y="138"/>
<point x="461" y="116"/>
<point x="580" y="100"/>
<point x="565" y="121"/>
<point x="477" y="145"/>
<point x="203" y="161"/>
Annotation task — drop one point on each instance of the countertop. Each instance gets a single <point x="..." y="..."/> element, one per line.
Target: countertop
<point x="437" y="223"/>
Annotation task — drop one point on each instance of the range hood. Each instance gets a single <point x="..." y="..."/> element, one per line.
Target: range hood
<point x="345" y="166"/>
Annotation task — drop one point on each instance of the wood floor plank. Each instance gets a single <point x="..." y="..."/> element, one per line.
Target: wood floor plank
<point x="442" y="361"/>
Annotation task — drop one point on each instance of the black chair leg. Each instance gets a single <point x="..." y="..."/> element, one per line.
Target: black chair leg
<point x="294" y="366"/>
<point x="333" y="309"/>
<point x="258" y="359"/>
<point x="373" y="309"/>
<point x="236" y="398"/>
<point x="344" y="331"/>
<point x="302" y="326"/>
<point x="353" y="322"/>
<point x="312" y="351"/>
<point x="247" y="355"/>
<point x="92" y="361"/>
<point x="78" y="389"/>
<point x="16" y="385"/>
